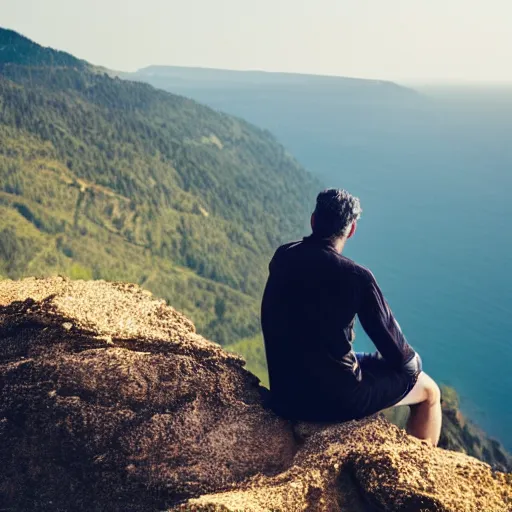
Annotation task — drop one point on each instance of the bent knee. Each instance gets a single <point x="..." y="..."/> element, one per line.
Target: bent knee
<point x="425" y="391"/>
<point x="432" y="391"/>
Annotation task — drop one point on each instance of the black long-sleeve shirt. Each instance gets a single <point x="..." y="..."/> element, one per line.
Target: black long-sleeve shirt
<point x="311" y="299"/>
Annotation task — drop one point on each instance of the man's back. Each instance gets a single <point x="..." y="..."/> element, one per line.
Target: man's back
<point x="309" y="306"/>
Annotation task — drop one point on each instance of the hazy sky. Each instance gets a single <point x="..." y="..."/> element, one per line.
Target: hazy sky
<point x="405" y="40"/>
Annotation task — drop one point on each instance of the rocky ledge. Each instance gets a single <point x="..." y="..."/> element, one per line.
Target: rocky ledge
<point x="109" y="400"/>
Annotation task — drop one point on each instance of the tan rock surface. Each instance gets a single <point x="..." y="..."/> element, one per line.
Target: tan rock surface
<point x="369" y="465"/>
<point x="126" y="406"/>
<point x="109" y="400"/>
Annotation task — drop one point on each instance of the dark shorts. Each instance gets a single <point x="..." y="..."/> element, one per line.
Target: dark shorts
<point x="371" y="386"/>
<point x="381" y="386"/>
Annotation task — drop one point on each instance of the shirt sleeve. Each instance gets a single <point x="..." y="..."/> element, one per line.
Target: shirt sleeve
<point x="381" y="326"/>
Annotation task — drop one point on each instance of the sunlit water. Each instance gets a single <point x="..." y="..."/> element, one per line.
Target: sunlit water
<point x="436" y="231"/>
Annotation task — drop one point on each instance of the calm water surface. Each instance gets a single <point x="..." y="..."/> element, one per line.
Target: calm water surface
<point x="436" y="231"/>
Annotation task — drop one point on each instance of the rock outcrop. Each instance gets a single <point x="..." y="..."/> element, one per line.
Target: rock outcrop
<point x="462" y="435"/>
<point x="459" y="434"/>
<point x="109" y="400"/>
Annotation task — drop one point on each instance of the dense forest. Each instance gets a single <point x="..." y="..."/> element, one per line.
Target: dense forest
<point x="109" y="179"/>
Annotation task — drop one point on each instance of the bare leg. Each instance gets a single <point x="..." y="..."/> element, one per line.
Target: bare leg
<point x="426" y="417"/>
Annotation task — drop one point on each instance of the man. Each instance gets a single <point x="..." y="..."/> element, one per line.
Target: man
<point x="312" y="297"/>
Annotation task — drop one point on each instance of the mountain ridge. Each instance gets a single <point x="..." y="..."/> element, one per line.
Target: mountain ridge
<point x="17" y="48"/>
<point x="222" y="74"/>
<point x="154" y="182"/>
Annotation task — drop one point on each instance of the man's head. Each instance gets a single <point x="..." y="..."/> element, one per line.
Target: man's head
<point x="336" y="214"/>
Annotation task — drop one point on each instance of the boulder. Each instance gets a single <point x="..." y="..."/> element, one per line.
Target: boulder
<point x="109" y="400"/>
<point x="369" y="466"/>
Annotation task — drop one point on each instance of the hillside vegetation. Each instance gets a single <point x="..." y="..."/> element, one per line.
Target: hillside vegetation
<point x="104" y="178"/>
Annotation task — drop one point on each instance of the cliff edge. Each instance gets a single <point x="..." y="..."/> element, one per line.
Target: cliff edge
<point x="109" y="400"/>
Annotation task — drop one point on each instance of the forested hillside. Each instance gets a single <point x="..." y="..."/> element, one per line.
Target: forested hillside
<point x="104" y="178"/>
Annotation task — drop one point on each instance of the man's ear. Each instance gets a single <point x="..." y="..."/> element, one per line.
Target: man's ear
<point x="352" y="229"/>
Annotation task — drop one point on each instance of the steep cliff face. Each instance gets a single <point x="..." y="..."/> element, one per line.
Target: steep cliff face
<point x="109" y="400"/>
<point x="460" y="434"/>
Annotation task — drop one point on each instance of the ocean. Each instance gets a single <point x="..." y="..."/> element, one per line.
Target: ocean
<point x="436" y="191"/>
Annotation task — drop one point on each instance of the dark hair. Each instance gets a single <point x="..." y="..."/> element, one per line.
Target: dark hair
<point x="335" y="211"/>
